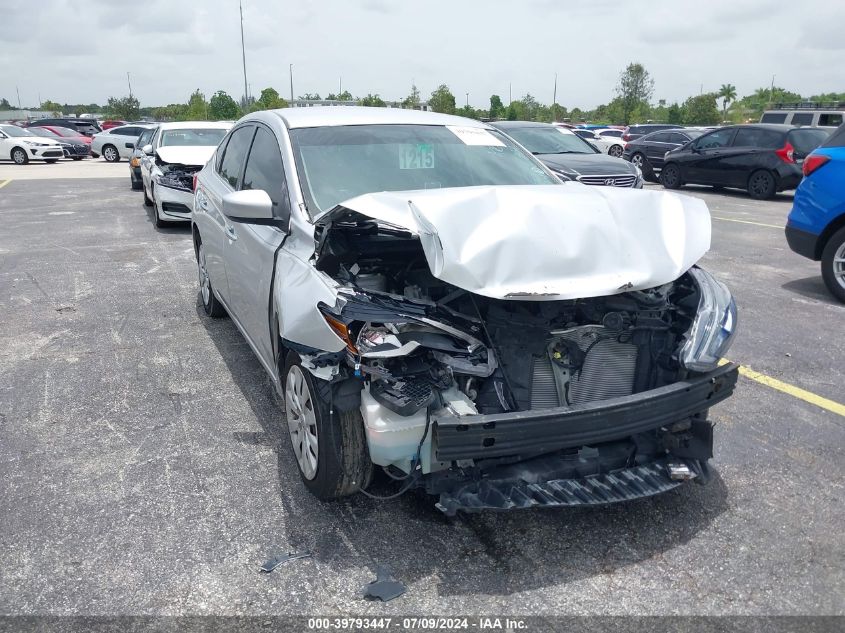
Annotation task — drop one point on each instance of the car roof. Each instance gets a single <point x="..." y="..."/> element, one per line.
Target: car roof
<point x="777" y="127"/>
<point x="181" y="125"/>
<point x="120" y="127"/>
<point x="324" y="116"/>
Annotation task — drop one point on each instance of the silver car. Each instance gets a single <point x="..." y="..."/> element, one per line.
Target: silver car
<point x="430" y="299"/>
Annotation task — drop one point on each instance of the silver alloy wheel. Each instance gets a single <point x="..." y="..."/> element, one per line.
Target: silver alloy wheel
<point x="615" y="151"/>
<point x="19" y="156"/>
<point x="839" y="265"/>
<point x="110" y="154"/>
<point x="205" y="282"/>
<point x="302" y="422"/>
<point x="637" y="160"/>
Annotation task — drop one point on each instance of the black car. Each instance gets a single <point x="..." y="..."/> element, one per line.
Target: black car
<point x="647" y="151"/>
<point x="71" y="149"/>
<point x="86" y="127"/>
<point x="570" y="156"/>
<point x="633" y="132"/>
<point x="761" y="158"/>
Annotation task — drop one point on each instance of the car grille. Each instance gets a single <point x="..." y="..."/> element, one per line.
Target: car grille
<point x="626" y="180"/>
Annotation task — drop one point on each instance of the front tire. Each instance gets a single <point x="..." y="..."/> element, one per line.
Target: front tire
<point x="111" y="154"/>
<point x="761" y="185"/>
<point x="77" y="157"/>
<point x="615" y="151"/>
<point x="19" y="156"/>
<point x="51" y="161"/>
<point x="160" y="224"/>
<point x="670" y="177"/>
<point x="833" y="264"/>
<point x="331" y="454"/>
<point x="147" y="200"/>
<point x="210" y="304"/>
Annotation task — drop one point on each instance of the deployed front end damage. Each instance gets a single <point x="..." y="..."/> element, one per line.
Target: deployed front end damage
<point x="579" y="372"/>
<point x="175" y="168"/>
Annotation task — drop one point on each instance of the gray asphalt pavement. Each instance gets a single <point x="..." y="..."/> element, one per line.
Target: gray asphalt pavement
<point x="145" y="466"/>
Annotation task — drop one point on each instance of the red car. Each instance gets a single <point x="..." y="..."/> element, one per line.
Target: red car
<point x="107" y="125"/>
<point x="79" y="145"/>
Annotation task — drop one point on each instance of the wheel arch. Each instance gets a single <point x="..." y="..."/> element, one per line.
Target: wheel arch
<point x="828" y="232"/>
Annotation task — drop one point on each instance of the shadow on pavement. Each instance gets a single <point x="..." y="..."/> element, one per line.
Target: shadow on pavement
<point x="812" y="288"/>
<point x="491" y="553"/>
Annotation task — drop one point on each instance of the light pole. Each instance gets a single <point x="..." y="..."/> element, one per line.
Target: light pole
<point x="130" y="84"/>
<point x="243" y="54"/>
<point x="467" y="100"/>
<point x="291" y="83"/>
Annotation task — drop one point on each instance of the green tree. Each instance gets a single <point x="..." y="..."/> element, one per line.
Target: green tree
<point x="51" y="106"/>
<point x="413" y="99"/>
<point x="4" y="104"/>
<point x="674" y="114"/>
<point x="221" y="107"/>
<point x="270" y="100"/>
<point x="513" y="111"/>
<point x="634" y="90"/>
<point x="197" y="107"/>
<point x="727" y="93"/>
<point x="701" y="110"/>
<point x="558" y="112"/>
<point x="125" y="108"/>
<point x="172" y="112"/>
<point x="530" y="108"/>
<point x="373" y="101"/>
<point x="442" y="100"/>
<point x="497" y="108"/>
<point x="469" y="112"/>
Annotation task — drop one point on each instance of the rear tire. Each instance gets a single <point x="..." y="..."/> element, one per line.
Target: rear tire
<point x="111" y="154"/>
<point x="334" y="451"/>
<point x="833" y="264"/>
<point x="761" y="185"/>
<point x="615" y="151"/>
<point x="210" y="304"/>
<point x="19" y="156"/>
<point x="670" y="177"/>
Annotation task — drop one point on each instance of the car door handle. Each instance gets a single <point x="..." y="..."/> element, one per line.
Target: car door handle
<point x="230" y="232"/>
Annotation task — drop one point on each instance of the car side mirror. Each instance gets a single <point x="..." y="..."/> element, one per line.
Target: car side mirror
<point x="251" y="206"/>
<point x="694" y="149"/>
<point x="130" y="146"/>
<point x="147" y="149"/>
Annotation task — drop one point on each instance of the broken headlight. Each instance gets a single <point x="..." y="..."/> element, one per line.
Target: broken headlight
<point x="175" y="180"/>
<point x="714" y="326"/>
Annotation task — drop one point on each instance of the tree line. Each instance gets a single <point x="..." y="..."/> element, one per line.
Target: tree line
<point x="632" y="102"/>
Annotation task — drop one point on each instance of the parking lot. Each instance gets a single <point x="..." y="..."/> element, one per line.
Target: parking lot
<point x="146" y="466"/>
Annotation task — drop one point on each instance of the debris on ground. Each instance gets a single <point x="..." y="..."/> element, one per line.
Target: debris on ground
<point x="384" y="587"/>
<point x="274" y="562"/>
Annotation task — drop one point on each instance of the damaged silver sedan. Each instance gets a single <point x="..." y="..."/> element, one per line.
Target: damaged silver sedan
<point x="430" y="300"/>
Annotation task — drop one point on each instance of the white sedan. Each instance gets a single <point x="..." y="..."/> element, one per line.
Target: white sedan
<point x="20" y="146"/>
<point x="605" y="144"/>
<point x="111" y="143"/>
<point x="614" y="136"/>
<point x="175" y="153"/>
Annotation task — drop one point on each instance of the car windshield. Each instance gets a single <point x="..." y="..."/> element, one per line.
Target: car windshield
<point x="807" y="139"/>
<point x="14" y="130"/>
<point x="192" y="136"/>
<point x="549" y="140"/>
<point x="40" y="131"/>
<point x="341" y="162"/>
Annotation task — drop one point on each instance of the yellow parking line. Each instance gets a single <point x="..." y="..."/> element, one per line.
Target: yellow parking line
<point x="771" y="226"/>
<point x="795" y="392"/>
<point x="3" y="183"/>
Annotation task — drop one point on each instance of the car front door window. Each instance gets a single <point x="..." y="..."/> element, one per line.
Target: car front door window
<point x="715" y="140"/>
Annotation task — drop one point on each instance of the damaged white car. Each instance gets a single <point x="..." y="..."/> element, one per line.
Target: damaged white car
<point x="432" y="301"/>
<point x="176" y="152"/>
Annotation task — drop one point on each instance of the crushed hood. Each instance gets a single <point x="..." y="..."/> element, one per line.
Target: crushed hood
<point x="546" y="242"/>
<point x="197" y="155"/>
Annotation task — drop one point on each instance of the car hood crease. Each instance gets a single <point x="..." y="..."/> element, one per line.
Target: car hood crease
<point x="546" y="242"/>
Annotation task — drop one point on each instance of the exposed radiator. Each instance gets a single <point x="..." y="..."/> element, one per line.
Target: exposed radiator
<point x="607" y="370"/>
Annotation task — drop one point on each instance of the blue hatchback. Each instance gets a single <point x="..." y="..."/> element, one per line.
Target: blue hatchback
<point x="816" y="224"/>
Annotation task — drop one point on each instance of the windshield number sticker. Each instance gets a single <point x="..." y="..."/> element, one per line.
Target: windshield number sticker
<point x="475" y="136"/>
<point x="417" y="157"/>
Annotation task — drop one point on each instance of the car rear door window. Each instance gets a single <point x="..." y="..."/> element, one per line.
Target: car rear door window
<point x="773" y="117"/>
<point x="264" y="170"/>
<point x="830" y="120"/>
<point x="660" y="137"/>
<point x="715" y="140"/>
<point x="233" y="158"/>
<point x="126" y="131"/>
<point x="678" y="139"/>
<point x="756" y="137"/>
<point x="802" y="118"/>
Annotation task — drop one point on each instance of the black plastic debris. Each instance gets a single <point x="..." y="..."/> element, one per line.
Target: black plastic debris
<point x="383" y="588"/>
<point x="274" y="562"/>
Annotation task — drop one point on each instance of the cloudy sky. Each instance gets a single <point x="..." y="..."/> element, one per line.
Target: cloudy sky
<point x="79" y="51"/>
